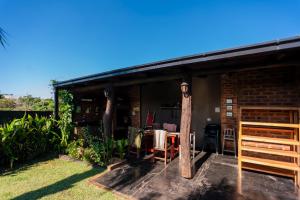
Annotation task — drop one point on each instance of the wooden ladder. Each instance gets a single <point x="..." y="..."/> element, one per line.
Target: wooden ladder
<point x="260" y="164"/>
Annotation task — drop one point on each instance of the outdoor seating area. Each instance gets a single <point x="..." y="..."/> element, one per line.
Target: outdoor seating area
<point x="162" y="144"/>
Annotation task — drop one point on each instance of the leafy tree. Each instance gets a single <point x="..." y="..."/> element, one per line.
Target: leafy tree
<point x="28" y="101"/>
<point x="7" y="104"/>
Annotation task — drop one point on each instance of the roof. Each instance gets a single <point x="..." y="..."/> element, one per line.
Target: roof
<point x="259" y="48"/>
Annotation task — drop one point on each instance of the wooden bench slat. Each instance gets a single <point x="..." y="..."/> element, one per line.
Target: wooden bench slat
<point x="270" y="163"/>
<point x="270" y="140"/>
<point x="271" y="151"/>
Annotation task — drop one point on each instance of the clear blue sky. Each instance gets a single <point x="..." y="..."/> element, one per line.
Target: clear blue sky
<point x="66" y="39"/>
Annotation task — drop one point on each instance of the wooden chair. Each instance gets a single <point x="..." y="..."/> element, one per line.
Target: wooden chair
<point x="160" y="145"/>
<point x="150" y="120"/>
<point x="229" y="135"/>
<point x="134" y="140"/>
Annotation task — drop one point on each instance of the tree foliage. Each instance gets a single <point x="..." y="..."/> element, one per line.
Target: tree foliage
<point x="7" y="104"/>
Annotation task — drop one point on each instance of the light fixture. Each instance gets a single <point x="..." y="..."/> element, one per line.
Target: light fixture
<point x="184" y="88"/>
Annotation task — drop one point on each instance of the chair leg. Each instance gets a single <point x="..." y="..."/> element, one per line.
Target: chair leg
<point x="217" y="146"/>
<point x="137" y="153"/>
<point x="223" y="145"/>
<point x="194" y="145"/>
<point x="166" y="157"/>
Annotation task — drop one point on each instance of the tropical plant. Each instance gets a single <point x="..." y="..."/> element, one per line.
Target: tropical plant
<point x="121" y="147"/>
<point x="25" y="138"/>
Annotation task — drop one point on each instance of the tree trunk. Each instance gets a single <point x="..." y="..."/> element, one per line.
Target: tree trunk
<point x="185" y="128"/>
<point x="107" y="116"/>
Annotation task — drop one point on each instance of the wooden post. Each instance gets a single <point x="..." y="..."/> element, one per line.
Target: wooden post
<point x="107" y="116"/>
<point x="56" y="108"/>
<point x="185" y="128"/>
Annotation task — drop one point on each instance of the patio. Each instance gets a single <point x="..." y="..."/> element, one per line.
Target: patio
<point x="216" y="177"/>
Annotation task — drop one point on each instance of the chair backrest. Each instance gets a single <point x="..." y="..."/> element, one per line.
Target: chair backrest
<point x="150" y="118"/>
<point x="170" y="127"/>
<point x="229" y="132"/>
<point x="159" y="139"/>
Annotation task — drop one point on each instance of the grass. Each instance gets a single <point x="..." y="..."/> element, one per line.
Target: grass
<point x="52" y="179"/>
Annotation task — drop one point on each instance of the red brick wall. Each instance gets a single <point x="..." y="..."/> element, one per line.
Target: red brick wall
<point x="264" y="87"/>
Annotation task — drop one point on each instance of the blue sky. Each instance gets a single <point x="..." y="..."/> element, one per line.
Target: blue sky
<point x="66" y="39"/>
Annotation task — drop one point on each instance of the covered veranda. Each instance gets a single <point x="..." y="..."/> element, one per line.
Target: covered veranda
<point x="188" y="92"/>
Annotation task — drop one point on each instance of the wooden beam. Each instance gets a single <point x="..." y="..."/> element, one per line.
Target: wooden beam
<point x="125" y="83"/>
<point x="185" y="128"/>
<point x="107" y="115"/>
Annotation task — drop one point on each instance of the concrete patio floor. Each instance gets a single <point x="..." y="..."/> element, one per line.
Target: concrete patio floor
<point x="216" y="177"/>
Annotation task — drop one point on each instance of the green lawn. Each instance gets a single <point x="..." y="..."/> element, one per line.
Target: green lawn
<point x="52" y="179"/>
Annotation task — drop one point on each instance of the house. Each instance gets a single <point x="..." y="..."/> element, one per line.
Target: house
<point x="256" y="83"/>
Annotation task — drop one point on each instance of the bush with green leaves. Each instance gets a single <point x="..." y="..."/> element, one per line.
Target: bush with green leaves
<point x="100" y="150"/>
<point x="75" y="149"/>
<point x="25" y="138"/>
<point x="121" y="147"/>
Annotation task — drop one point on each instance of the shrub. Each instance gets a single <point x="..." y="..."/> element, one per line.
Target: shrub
<point x="25" y="138"/>
<point x="91" y="156"/>
<point x="75" y="149"/>
<point x="121" y="147"/>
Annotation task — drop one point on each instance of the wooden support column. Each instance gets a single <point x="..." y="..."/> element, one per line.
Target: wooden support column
<point x="56" y="107"/>
<point x="107" y="116"/>
<point x="185" y="128"/>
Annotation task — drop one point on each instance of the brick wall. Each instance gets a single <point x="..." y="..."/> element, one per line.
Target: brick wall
<point x="265" y="87"/>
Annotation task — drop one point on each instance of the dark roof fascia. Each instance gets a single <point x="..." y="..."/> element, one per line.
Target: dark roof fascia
<point x="275" y="45"/>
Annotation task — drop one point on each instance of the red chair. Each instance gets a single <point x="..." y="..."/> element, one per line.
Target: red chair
<point x="150" y="120"/>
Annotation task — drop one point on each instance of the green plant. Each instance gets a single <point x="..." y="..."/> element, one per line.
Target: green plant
<point x="102" y="147"/>
<point x="25" y="138"/>
<point x="75" y="149"/>
<point x="121" y="147"/>
<point x="91" y="156"/>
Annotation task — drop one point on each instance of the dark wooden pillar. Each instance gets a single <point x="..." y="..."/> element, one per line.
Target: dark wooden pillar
<point x="107" y="116"/>
<point x="185" y="128"/>
<point x="56" y="107"/>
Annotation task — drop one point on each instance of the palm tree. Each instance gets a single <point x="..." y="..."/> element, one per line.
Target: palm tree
<point x="2" y="37"/>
